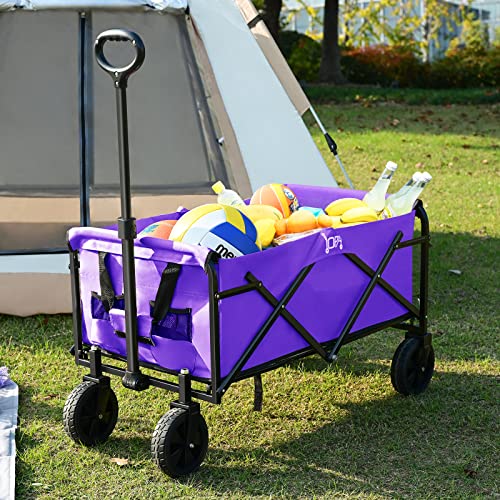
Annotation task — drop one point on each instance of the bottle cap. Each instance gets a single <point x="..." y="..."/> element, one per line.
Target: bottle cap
<point x="417" y="177"/>
<point x="426" y="177"/>
<point x="391" y="166"/>
<point x="218" y="187"/>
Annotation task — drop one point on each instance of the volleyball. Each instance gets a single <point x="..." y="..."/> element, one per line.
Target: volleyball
<point x="278" y="196"/>
<point x="160" y="229"/>
<point x="222" y="228"/>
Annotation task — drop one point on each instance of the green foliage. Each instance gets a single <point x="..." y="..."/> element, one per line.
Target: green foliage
<point x="367" y="23"/>
<point x="302" y="53"/>
<point x="259" y="4"/>
<point x="369" y="96"/>
<point x="473" y="35"/>
<point x="383" y="65"/>
<point x="399" y="66"/>
<point x="496" y="41"/>
<point x="466" y="68"/>
<point x="316" y="25"/>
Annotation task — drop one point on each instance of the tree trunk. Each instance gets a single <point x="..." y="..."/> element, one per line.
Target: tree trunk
<point x="271" y="16"/>
<point x="329" y="70"/>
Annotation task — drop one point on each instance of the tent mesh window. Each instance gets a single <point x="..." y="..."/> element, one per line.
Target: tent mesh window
<point x="39" y="133"/>
<point x="58" y="123"/>
<point x="173" y="145"/>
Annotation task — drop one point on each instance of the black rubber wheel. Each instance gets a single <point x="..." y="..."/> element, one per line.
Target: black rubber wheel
<point x="172" y="451"/>
<point x="83" y="421"/>
<point x="412" y="367"/>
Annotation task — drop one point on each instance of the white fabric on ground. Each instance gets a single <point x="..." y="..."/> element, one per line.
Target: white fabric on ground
<point x="9" y="395"/>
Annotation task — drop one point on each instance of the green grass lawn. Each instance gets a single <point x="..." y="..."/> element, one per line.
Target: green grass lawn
<point x="337" y="431"/>
<point x="369" y="94"/>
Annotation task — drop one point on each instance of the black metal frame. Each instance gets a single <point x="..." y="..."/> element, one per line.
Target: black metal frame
<point x="132" y="377"/>
<point x="217" y="385"/>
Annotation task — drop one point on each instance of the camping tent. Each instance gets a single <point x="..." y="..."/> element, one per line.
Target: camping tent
<point x="214" y="101"/>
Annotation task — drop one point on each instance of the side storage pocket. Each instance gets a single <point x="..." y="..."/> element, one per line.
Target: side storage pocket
<point x="97" y="306"/>
<point x="176" y="325"/>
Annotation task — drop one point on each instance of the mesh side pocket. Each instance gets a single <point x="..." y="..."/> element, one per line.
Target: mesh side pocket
<point x="176" y="325"/>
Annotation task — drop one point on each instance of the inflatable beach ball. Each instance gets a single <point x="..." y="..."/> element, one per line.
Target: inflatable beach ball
<point x="278" y="196"/>
<point x="221" y="228"/>
<point x="160" y="229"/>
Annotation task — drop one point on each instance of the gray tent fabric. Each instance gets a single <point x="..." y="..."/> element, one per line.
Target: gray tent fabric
<point x="27" y="137"/>
<point x="206" y="106"/>
<point x="9" y="399"/>
<point x="161" y="5"/>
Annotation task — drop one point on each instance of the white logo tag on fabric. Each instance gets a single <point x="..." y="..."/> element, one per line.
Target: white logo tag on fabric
<point x="332" y="242"/>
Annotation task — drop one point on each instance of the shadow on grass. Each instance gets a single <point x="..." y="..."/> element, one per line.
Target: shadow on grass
<point x="385" y="446"/>
<point x="382" y="445"/>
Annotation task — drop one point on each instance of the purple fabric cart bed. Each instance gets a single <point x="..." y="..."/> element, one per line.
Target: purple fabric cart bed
<point x="322" y="304"/>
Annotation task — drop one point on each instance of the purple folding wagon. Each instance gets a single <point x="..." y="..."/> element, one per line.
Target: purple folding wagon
<point x="189" y="315"/>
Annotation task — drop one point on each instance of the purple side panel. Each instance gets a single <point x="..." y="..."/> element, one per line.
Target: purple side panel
<point x="324" y="301"/>
<point x="191" y="293"/>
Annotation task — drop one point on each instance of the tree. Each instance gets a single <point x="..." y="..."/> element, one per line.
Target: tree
<point x="329" y="70"/>
<point x="474" y="34"/>
<point x="270" y="10"/>
<point x="413" y="24"/>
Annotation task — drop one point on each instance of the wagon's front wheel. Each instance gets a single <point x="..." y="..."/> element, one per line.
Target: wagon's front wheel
<point x="90" y="413"/>
<point x="180" y="442"/>
<point x="412" y="366"/>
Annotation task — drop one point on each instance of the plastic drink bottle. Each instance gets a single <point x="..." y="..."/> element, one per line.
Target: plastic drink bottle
<point x="415" y="178"/>
<point x="227" y="196"/>
<point x="376" y="197"/>
<point x="404" y="204"/>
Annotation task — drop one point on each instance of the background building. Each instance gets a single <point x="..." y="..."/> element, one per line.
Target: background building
<point x="307" y="17"/>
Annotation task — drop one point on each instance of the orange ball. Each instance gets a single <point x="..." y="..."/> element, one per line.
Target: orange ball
<point x="278" y="196"/>
<point x="160" y="229"/>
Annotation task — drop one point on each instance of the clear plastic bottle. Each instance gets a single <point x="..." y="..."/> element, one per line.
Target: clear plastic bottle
<point x="227" y="196"/>
<point x="414" y="179"/>
<point x="376" y="197"/>
<point x="404" y="204"/>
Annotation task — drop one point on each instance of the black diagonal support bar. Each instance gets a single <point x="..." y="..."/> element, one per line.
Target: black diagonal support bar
<point x="238" y="290"/>
<point x="278" y="310"/>
<point x="366" y="294"/>
<point x="386" y="286"/>
<point x="289" y="317"/>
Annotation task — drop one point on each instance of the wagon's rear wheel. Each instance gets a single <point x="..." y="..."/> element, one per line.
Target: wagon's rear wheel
<point x="180" y="442"/>
<point x="90" y="413"/>
<point x="412" y="366"/>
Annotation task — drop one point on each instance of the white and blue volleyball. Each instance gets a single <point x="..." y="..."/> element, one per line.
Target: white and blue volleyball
<point x="222" y="228"/>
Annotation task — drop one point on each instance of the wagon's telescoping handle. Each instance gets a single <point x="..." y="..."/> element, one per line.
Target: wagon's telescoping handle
<point x="121" y="74"/>
<point x="133" y="378"/>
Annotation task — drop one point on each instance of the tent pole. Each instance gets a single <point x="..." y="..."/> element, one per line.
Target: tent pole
<point x="84" y="30"/>
<point x="332" y="146"/>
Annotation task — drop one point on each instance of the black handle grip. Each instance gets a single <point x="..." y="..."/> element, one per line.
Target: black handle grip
<point x="120" y="75"/>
